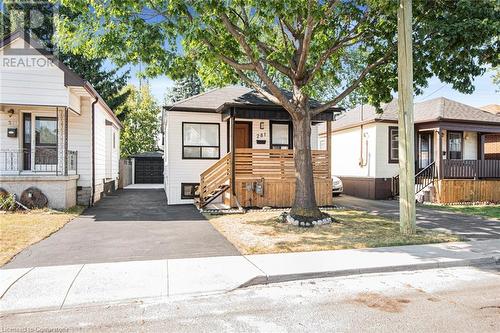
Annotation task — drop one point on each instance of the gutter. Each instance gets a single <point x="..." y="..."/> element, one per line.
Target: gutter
<point x="93" y="151"/>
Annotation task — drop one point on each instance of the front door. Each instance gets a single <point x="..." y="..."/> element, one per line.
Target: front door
<point x="424" y="149"/>
<point x="243" y="134"/>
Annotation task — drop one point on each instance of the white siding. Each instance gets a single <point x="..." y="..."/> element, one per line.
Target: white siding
<point x="346" y="152"/>
<point x="186" y="171"/>
<point x="33" y="85"/>
<point x="80" y="140"/>
<point x="100" y="148"/>
<point x="74" y="102"/>
<point x="383" y="168"/>
<point x="10" y="121"/>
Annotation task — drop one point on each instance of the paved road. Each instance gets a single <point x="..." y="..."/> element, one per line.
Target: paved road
<point x="441" y="300"/>
<point x="471" y="227"/>
<point x="128" y="225"/>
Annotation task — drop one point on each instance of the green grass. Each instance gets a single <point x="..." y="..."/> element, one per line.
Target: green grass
<point x="490" y="211"/>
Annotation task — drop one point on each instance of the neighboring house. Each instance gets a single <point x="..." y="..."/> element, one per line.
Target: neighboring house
<point x="365" y="151"/>
<point x="56" y="132"/>
<point x="492" y="108"/>
<point x="234" y="146"/>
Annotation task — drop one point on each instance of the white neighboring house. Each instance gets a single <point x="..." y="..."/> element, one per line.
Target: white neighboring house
<point x="56" y="132"/>
<point x="208" y="131"/>
<point x="365" y="147"/>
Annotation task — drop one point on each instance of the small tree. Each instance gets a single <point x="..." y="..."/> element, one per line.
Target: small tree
<point x="184" y="88"/>
<point x="141" y="126"/>
<point x="304" y="46"/>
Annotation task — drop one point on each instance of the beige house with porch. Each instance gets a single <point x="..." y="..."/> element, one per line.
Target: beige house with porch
<point x="457" y="150"/>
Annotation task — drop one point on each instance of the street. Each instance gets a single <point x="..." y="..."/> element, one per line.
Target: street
<point x="463" y="299"/>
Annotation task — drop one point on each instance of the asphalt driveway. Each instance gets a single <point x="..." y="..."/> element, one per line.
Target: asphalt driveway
<point x="468" y="226"/>
<point x="131" y="224"/>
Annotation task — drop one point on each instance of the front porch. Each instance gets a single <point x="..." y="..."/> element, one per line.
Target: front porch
<point x="35" y="153"/>
<point x="460" y="160"/>
<point x="258" y="170"/>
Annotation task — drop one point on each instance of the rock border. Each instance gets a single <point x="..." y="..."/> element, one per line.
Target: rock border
<point x="308" y="224"/>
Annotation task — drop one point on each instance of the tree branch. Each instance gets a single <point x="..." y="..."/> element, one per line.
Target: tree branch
<point x="353" y="85"/>
<point x="240" y="38"/>
<point x="305" y="43"/>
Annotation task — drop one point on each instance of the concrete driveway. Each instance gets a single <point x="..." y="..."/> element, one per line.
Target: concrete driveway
<point x="471" y="227"/>
<point x="131" y="224"/>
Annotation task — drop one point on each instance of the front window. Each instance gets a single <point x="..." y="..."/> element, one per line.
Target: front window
<point x="200" y="141"/>
<point x="46" y="140"/>
<point x="393" y="145"/>
<point x="455" y="145"/>
<point x="280" y="136"/>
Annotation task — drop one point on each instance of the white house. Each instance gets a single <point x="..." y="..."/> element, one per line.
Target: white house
<point x="56" y="132"/>
<point x="233" y="145"/>
<point x="365" y="150"/>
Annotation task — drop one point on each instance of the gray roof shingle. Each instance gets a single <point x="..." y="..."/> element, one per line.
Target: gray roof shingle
<point x="215" y="99"/>
<point x="434" y="109"/>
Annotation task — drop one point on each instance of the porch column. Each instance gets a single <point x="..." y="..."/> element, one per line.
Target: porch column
<point x="440" y="153"/>
<point x="329" y="147"/>
<point x="231" y="134"/>
<point x="65" y="153"/>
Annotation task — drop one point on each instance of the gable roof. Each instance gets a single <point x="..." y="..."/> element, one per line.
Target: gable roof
<point x="70" y="77"/>
<point x="432" y="110"/>
<point x="218" y="99"/>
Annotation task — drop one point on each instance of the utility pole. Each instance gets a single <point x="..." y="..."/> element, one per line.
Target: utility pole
<point x="405" y="120"/>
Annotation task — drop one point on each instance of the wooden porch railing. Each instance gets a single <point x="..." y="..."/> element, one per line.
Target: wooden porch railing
<point x="471" y="169"/>
<point x="255" y="164"/>
<point x="276" y="163"/>
<point x="215" y="179"/>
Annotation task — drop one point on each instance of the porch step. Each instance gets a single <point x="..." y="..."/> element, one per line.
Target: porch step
<point x="210" y="197"/>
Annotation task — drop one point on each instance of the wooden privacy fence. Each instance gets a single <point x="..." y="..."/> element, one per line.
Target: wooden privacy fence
<point x="463" y="169"/>
<point x="276" y="164"/>
<point x="274" y="169"/>
<point x="468" y="190"/>
<point x="125" y="173"/>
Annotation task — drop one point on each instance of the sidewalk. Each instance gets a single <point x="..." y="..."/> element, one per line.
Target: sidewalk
<point x="57" y="287"/>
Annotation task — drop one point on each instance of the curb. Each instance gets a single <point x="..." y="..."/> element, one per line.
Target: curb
<point x="269" y="279"/>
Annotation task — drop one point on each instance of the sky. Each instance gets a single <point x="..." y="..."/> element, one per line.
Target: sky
<point x="484" y="94"/>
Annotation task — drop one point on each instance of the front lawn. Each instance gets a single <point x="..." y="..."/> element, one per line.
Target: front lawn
<point x="260" y="232"/>
<point x="490" y="211"/>
<point x="19" y="230"/>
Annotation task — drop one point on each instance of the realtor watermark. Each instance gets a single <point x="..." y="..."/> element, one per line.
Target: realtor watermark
<point x="31" y="26"/>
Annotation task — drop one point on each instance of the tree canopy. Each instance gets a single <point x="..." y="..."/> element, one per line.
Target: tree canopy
<point x="142" y="124"/>
<point x="322" y="49"/>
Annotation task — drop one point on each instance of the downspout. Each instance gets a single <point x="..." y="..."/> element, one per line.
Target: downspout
<point x="362" y="160"/>
<point x="93" y="151"/>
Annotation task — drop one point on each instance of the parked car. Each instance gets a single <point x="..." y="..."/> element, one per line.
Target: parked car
<point x="337" y="187"/>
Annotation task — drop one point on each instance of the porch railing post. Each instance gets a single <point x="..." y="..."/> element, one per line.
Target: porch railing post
<point x="65" y="154"/>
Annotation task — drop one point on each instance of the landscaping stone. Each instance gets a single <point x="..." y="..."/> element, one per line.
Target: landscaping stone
<point x="306" y="224"/>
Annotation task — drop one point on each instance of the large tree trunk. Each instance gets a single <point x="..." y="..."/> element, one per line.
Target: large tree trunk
<point x="305" y="199"/>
